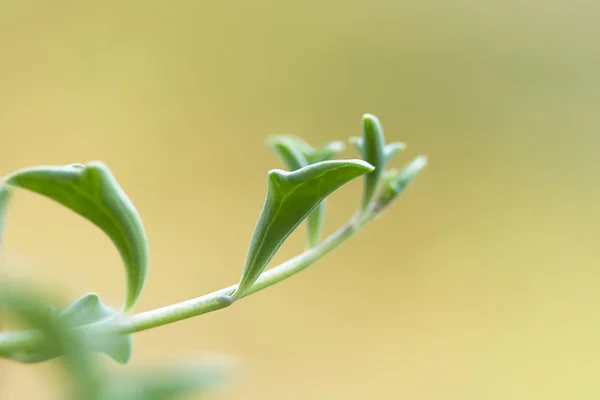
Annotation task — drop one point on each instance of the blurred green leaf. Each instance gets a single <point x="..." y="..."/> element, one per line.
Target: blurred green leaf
<point x="291" y="196"/>
<point x="395" y="182"/>
<point x="92" y="192"/>
<point x="325" y="153"/>
<point x="32" y="308"/>
<point x="289" y="151"/>
<point x="88" y="309"/>
<point x="392" y="149"/>
<point x="300" y="144"/>
<point x="166" y="383"/>
<point x="5" y="195"/>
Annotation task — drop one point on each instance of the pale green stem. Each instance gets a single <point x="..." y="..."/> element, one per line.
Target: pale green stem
<point x="13" y="341"/>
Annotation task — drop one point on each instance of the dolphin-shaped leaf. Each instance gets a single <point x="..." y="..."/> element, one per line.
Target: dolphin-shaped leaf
<point x="291" y="196"/>
<point x="92" y="192"/>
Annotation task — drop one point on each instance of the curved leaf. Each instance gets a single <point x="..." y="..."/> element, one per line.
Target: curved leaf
<point x="31" y="308"/>
<point x="92" y="192"/>
<point x="312" y="155"/>
<point x="290" y="151"/>
<point x="298" y="143"/>
<point x="88" y="309"/>
<point x="291" y="196"/>
<point x="372" y="152"/>
<point x="5" y="195"/>
<point x="327" y="152"/>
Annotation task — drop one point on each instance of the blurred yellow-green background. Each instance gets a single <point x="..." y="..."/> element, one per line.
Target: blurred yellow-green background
<point x="481" y="283"/>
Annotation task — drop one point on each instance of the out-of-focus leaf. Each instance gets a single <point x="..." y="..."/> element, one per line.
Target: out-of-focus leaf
<point x="32" y="308"/>
<point x="289" y="151"/>
<point x="291" y="196"/>
<point x="88" y="309"/>
<point x="167" y="383"/>
<point x="92" y="192"/>
<point x="326" y="153"/>
<point x="5" y="195"/>
<point x="392" y="149"/>
<point x="395" y="182"/>
<point x="300" y="144"/>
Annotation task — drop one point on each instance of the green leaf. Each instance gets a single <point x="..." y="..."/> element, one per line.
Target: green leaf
<point x="314" y="225"/>
<point x="92" y="192"/>
<point x="5" y="195"/>
<point x="291" y="196"/>
<point x="166" y="383"/>
<point x="326" y="153"/>
<point x="86" y="310"/>
<point x="390" y="150"/>
<point x="32" y="308"/>
<point x="289" y="152"/>
<point x="395" y="182"/>
<point x="298" y="143"/>
<point x="372" y="152"/>
<point x="292" y="152"/>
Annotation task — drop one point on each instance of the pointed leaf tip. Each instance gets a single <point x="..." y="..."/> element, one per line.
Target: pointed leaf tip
<point x="373" y="151"/>
<point x="291" y="196"/>
<point x="92" y="192"/>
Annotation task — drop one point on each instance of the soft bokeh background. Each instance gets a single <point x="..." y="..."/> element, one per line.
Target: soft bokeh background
<point x="482" y="283"/>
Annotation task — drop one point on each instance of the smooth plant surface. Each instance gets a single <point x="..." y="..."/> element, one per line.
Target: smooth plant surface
<point x="87" y="328"/>
<point x="92" y="192"/>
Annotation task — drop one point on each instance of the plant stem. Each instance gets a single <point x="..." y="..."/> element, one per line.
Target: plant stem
<point x="13" y="341"/>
